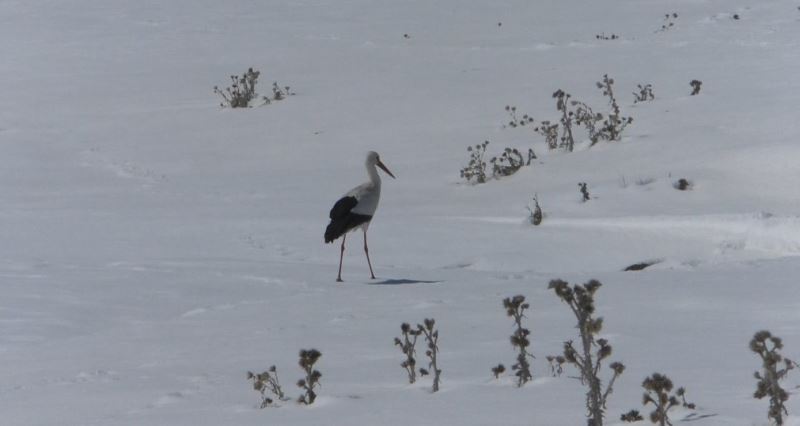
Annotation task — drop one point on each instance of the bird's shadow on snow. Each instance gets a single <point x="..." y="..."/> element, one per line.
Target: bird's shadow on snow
<point x="402" y="281"/>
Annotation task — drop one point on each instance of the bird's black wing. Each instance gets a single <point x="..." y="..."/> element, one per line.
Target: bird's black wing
<point x="343" y="219"/>
<point x="343" y="207"/>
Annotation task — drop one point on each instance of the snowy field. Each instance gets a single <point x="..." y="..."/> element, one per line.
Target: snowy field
<point x="154" y="247"/>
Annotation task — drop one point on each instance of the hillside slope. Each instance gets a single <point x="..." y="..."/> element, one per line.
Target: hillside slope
<point x="156" y="246"/>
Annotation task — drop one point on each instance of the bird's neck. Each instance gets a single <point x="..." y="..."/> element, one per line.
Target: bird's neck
<point x="372" y="171"/>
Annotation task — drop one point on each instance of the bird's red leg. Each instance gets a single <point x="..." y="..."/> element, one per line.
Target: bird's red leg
<point x="366" y="250"/>
<point x="341" y="255"/>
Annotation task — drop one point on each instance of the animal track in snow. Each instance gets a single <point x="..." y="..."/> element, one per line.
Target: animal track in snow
<point x="195" y="385"/>
<point x="94" y="158"/>
<point x="754" y="236"/>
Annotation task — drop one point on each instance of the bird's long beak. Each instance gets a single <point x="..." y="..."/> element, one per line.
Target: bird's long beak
<point x="383" y="167"/>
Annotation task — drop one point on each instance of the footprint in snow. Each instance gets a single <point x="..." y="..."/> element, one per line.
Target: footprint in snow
<point x="170" y="398"/>
<point x="194" y="312"/>
<point x="428" y="304"/>
<point x="263" y="280"/>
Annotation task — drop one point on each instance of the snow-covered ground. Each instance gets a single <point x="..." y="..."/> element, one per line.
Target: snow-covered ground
<point x="155" y="246"/>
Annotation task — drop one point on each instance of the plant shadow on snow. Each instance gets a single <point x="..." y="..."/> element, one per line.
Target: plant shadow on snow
<point x="402" y="281"/>
<point x="642" y="265"/>
<point x="694" y="417"/>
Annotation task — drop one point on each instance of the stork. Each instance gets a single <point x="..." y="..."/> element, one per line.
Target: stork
<point x="356" y="208"/>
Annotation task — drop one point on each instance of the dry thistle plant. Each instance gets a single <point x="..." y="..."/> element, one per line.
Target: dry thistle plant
<point x="241" y="91"/>
<point x="508" y="163"/>
<point x="586" y="117"/>
<point x="527" y="120"/>
<point x="515" y="121"/>
<point x="669" y="22"/>
<point x="603" y="36"/>
<point x="681" y="392"/>
<point x="567" y="141"/>
<point x="279" y="93"/>
<point x="307" y="360"/>
<point x="584" y="192"/>
<point x="515" y="308"/>
<point x="536" y="213"/>
<point x="498" y="370"/>
<point x="609" y="127"/>
<point x="556" y="364"/>
<point x="695" y="86"/>
<point x="476" y="169"/>
<point x="645" y="93"/>
<point x="550" y="133"/>
<point x="531" y="156"/>
<point x="682" y="184"/>
<point x="631" y="416"/>
<point x="614" y="124"/>
<point x="432" y="339"/>
<point x="267" y="381"/>
<point x="768" y="349"/>
<point x="407" y="346"/>
<point x="580" y="299"/>
<point x="657" y="392"/>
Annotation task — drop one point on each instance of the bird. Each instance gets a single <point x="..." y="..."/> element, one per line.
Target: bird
<point x="356" y="208"/>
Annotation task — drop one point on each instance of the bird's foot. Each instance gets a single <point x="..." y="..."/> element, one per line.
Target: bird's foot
<point x="339" y="280"/>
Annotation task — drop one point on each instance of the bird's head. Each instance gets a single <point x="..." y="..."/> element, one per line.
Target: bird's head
<point x="373" y="159"/>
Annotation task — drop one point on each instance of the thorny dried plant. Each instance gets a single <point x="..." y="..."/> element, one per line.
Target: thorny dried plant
<point x="241" y="91"/>
<point x="308" y="357"/>
<point x="599" y="126"/>
<point x="669" y="22"/>
<point x="267" y="381"/>
<point x="681" y="392"/>
<point x="278" y="93"/>
<point x="567" y="141"/>
<point x="584" y="192"/>
<point x="556" y="363"/>
<point x="407" y="347"/>
<point x="509" y="162"/>
<point x="774" y="368"/>
<point x="645" y="93"/>
<point x="586" y="117"/>
<point x="497" y="370"/>
<point x="531" y="156"/>
<point x="614" y="123"/>
<point x="580" y="299"/>
<point x="476" y="169"/>
<point x="536" y="215"/>
<point x="695" y="87"/>
<point x="550" y="132"/>
<point x="658" y="388"/>
<point x="428" y="329"/>
<point x="631" y="416"/>
<point x="603" y="36"/>
<point x="516" y="121"/>
<point x="682" y="184"/>
<point x="506" y="164"/>
<point x="515" y="308"/>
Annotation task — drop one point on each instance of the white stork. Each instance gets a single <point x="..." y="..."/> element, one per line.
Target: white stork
<point x="356" y="208"/>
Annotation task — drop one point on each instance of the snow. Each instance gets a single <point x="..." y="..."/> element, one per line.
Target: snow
<point x="156" y="247"/>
